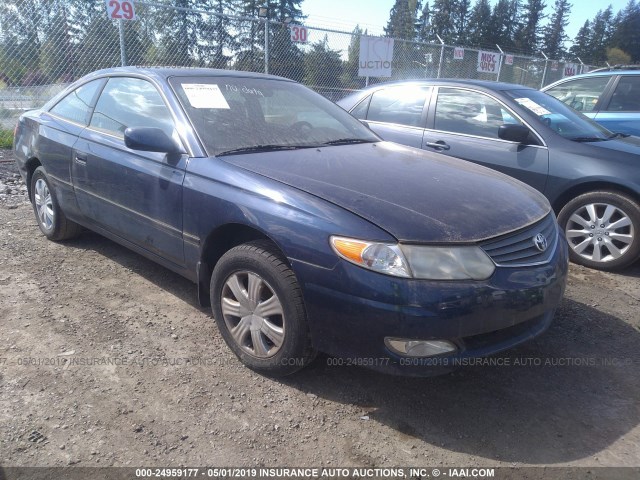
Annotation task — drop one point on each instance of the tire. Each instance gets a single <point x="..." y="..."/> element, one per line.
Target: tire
<point x="52" y="221"/>
<point x="258" y="307"/>
<point x="603" y="230"/>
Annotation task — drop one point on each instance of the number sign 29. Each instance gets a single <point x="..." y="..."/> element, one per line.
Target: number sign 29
<point x="120" y="10"/>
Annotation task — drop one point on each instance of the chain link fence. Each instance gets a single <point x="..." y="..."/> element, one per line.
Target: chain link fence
<point x="45" y="44"/>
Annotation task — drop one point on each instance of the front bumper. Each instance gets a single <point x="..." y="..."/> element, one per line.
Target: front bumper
<point x="351" y="310"/>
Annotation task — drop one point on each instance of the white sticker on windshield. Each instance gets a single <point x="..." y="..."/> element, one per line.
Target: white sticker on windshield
<point x="533" y="106"/>
<point x="204" y="95"/>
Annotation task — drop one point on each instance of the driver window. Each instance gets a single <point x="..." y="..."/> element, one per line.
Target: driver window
<point x="130" y="102"/>
<point x="470" y="113"/>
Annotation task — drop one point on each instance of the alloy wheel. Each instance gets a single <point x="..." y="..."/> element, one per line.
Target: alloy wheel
<point x="599" y="232"/>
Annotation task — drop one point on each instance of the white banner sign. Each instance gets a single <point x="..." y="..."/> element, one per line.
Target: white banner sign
<point x="488" y="62"/>
<point x="508" y="59"/>
<point x="570" y="69"/>
<point x="554" y="65"/>
<point x="376" y="55"/>
<point x="120" y="10"/>
<point x="458" y="53"/>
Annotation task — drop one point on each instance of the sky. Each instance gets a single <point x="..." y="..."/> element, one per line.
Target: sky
<point x="373" y="14"/>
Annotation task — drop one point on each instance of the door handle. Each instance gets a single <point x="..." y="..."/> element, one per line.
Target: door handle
<point x="80" y="159"/>
<point x="439" y="145"/>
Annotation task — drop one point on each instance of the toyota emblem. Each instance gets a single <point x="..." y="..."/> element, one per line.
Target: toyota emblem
<point x="540" y="241"/>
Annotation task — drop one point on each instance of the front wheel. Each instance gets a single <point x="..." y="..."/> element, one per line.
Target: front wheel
<point x="602" y="229"/>
<point x="257" y="304"/>
<point x="51" y="219"/>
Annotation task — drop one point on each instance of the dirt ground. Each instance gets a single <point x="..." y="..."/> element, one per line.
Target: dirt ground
<point x="106" y="359"/>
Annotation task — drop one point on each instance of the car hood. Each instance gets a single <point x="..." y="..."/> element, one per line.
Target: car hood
<point x="414" y="195"/>
<point x="629" y="144"/>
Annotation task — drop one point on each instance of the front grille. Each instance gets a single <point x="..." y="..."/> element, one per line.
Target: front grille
<point x="519" y="249"/>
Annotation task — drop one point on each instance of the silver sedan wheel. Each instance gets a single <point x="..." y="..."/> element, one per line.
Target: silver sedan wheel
<point x="253" y="314"/>
<point x="44" y="204"/>
<point x="600" y="232"/>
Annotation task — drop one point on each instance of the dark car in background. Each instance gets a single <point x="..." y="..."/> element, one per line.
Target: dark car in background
<point x="590" y="175"/>
<point x="611" y="97"/>
<point x="301" y="228"/>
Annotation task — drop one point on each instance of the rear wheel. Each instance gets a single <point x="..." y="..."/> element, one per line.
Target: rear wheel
<point x="257" y="304"/>
<point x="602" y="229"/>
<point x="51" y="220"/>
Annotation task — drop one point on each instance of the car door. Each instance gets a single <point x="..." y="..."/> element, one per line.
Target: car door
<point x="59" y="131"/>
<point x="134" y="194"/>
<point x="396" y="113"/>
<point x="621" y="113"/>
<point x="464" y="123"/>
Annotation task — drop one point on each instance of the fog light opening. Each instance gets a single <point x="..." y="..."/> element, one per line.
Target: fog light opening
<point x="419" y="348"/>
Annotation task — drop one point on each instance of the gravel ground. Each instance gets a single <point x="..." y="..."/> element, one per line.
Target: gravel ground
<point x="106" y="359"/>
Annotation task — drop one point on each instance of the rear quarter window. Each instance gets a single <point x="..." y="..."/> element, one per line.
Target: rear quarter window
<point x="77" y="105"/>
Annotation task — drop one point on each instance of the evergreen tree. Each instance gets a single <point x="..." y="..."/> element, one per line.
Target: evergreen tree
<point x="528" y="35"/>
<point x="479" y="24"/>
<point x="82" y="14"/>
<point x="554" y="32"/>
<point x="351" y="66"/>
<point x="460" y="20"/>
<point x="423" y="25"/>
<point x="322" y="66"/>
<point x="100" y="47"/>
<point x="24" y="25"/>
<point x="581" y="43"/>
<point x="627" y="34"/>
<point x="217" y="42"/>
<point x="600" y="36"/>
<point x="57" y="55"/>
<point x="442" y="20"/>
<point x="503" y="23"/>
<point x="285" y="58"/>
<point x="250" y="37"/>
<point x="178" y="35"/>
<point x="401" y="20"/>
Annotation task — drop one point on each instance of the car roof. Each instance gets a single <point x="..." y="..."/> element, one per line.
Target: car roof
<point x="349" y="101"/>
<point x="162" y="72"/>
<point x="618" y="68"/>
<point x="607" y="73"/>
<point x="490" y="85"/>
<point x="600" y="73"/>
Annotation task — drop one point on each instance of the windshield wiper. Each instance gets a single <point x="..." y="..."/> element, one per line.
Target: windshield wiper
<point x="262" y="148"/>
<point x="588" y="139"/>
<point x="618" y="135"/>
<point x="347" y="141"/>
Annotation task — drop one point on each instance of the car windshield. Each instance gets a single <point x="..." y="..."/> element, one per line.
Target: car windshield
<point x="559" y="117"/>
<point x="235" y="115"/>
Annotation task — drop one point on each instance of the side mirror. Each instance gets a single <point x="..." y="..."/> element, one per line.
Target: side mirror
<point x="513" y="132"/>
<point x="151" y="139"/>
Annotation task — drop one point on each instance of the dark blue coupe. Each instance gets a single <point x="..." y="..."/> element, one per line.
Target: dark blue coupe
<point x="302" y="229"/>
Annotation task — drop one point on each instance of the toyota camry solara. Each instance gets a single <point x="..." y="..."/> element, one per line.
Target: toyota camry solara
<point x="302" y="229"/>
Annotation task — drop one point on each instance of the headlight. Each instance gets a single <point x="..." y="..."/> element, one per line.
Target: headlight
<point x="416" y="261"/>
<point x="381" y="257"/>
<point x="449" y="263"/>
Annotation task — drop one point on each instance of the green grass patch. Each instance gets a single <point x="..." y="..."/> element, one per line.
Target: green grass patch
<point x="6" y="138"/>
